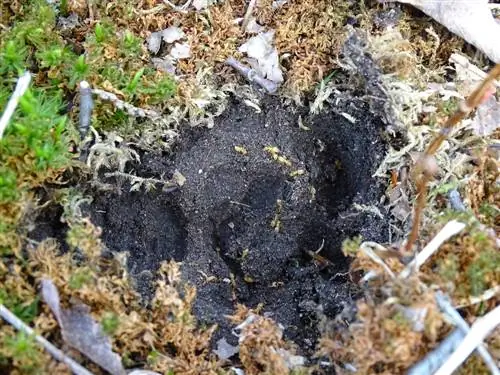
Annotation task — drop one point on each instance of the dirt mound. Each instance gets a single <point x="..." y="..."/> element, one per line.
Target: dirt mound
<point x="260" y="195"/>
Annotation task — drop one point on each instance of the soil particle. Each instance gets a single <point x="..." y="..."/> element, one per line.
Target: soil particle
<point x="249" y="216"/>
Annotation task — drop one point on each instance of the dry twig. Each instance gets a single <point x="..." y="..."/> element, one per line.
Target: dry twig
<point x="367" y="248"/>
<point x="433" y="360"/>
<point x="86" y="106"/>
<point x="182" y="8"/>
<point x="478" y="332"/>
<point x="445" y="305"/>
<point x="424" y="169"/>
<point x="248" y="14"/>
<point x="129" y="108"/>
<point x="487" y="295"/>
<point x="449" y="230"/>
<point x="55" y="352"/>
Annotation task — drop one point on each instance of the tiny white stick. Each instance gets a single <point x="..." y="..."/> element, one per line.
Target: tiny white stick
<point x="75" y="367"/>
<point x="248" y="14"/>
<point x="366" y="248"/>
<point x="488" y="294"/>
<point x="449" y="230"/>
<point x="21" y="86"/>
<point x="478" y="332"/>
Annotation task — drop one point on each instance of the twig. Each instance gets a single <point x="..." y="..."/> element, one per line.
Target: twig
<point x="153" y="10"/>
<point x="434" y="359"/>
<point x="250" y="74"/>
<point x="248" y="14"/>
<point x="86" y="106"/>
<point x="129" y="108"/>
<point x="75" y="367"/>
<point x="446" y="306"/>
<point x="142" y="180"/>
<point x="240" y="204"/>
<point x="21" y="86"/>
<point x="449" y="230"/>
<point x="421" y="168"/>
<point x="478" y="332"/>
<point x="488" y="294"/>
<point x="366" y="249"/>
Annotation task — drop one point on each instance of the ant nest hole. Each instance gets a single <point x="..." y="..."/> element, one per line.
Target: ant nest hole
<point x="268" y="199"/>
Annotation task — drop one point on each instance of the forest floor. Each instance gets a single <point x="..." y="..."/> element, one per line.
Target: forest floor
<point x="191" y="222"/>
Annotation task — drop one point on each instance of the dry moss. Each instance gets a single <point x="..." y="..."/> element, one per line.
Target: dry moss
<point x="168" y="328"/>
<point x="262" y="346"/>
<point x="385" y="338"/>
<point x="308" y="34"/>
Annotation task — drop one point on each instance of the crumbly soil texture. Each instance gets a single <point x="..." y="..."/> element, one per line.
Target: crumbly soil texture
<point x="246" y="221"/>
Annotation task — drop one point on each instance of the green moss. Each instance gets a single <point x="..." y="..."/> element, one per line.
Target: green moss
<point x="24" y="310"/>
<point x="449" y="267"/>
<point x="131" y="46"/>
<point x="486" y="267"/>
<point x="79" y="278"/>
<point x="24" y="350"/>
<point x="12" y="58"/>
<point x="153" y="357"/>
<point x="110" y="323"/>
<point x="103" y="31"/>
<point x="350" y="246"/>
<point x="8" y="185"/>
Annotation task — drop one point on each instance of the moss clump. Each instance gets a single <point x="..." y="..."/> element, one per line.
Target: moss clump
<point x="119" y="63"/>
<point x="24" y="352"/>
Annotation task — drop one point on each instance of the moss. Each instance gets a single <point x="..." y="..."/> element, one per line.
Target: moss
<point x="350" y="246"/>
<point x="449" y="267"/>
<point x="24" y="310"/>
<point x="110" y="323"/>
<point x="23" y="350"/>
<point x="79" y="278"/>
<point x="483" y="270"/>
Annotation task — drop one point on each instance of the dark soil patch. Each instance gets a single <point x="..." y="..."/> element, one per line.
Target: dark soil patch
<point x="220" y="222"/>
<point x="247" y="218"/>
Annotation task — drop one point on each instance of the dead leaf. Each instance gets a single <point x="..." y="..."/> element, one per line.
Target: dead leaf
<point x="82" y="332"/>
<point x="225" y="350"/>
<point x="487" y="118"/>
<point x="263" y="56"/>
<point x="154" y="42"/>
<point x="172" y="34"/>
<point x="181" y="51"/>
<point x="253" y="27"/>
<point x="165" y="64"/>
<point x="470" y="20"/>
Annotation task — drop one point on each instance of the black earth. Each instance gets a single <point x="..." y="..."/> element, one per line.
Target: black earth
<point x="261" y="194"/>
